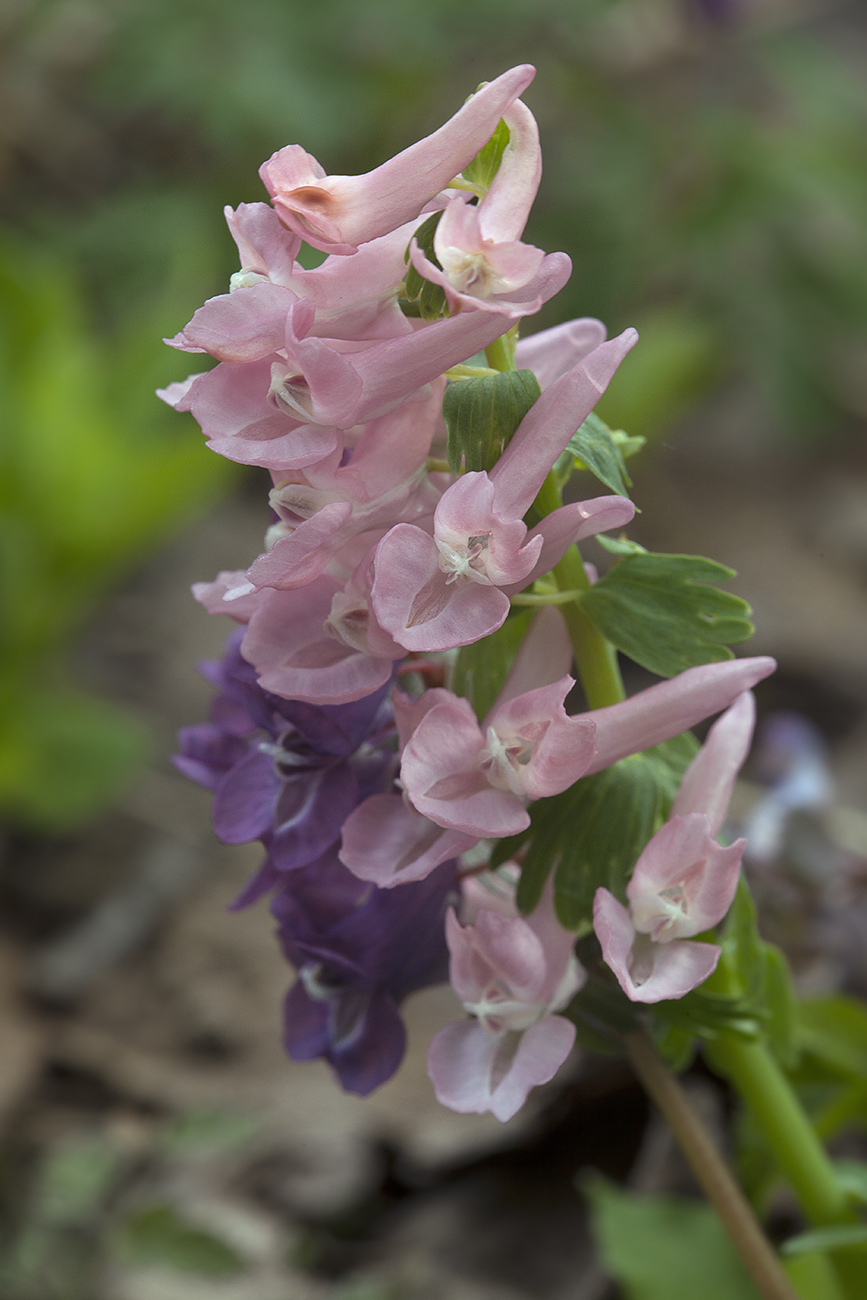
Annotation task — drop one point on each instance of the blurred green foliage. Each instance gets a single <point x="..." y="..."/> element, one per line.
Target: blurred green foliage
<point x="86" y="486"/>
<point x="709" y="182"/>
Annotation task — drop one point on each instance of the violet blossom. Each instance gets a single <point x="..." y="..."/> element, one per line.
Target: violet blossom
<point x="359" y="952"/>
<point x="283" y="771"/>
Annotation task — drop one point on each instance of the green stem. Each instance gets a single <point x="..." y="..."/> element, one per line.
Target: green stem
<point x="500" y="355"/>
<point x="753" y="1071"/>
<point x="710" y="1170"/>
<point x="596" y="658"/>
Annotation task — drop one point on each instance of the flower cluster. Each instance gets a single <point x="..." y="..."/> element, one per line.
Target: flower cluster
<point x="366" y="795"/>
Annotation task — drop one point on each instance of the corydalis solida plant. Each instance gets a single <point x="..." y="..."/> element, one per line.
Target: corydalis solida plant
<point x="333" y="379"/>
<point x="388" y="711"/>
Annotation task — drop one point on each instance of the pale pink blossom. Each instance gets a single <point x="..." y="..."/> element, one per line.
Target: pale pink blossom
<point x="338" y="213"/>
<point x="324" y="506"/>
<point x="320" y="643"/>
<point x="476" y="780"/>
<point x="483" y="263"/>
<point x="512" y="974"/>
<point x="281" y="395"/>
<point x="684" y="880"/>
<point x="452" y="588"/>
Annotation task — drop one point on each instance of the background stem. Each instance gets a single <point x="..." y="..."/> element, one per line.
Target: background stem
<point x="713" y="1176"/>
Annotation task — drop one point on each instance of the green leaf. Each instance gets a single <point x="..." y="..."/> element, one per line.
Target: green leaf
<point x="74" y="1180"/>
<point x="594" y="832"/>
<point x="158" y="1235"/>
<point x="481" y="668"/>
<point x="834" y="1030"/>
<point x="705" y="1014"/>
<point x="484" y="167"/>
<point x="743" y="948"/>
<point x="595" y="448"/>
<point x="661" y="611"/>
<point x="780" y="1006"/>
<point x="676" y="1044"/>
<point x="429" y="298"/>
<point x="664" y="1248"/>
<point x="852" y="1177"/>
<point x="482" y="413"/>
<point x="825" y="1239"/>
<point x="813" y="1277"/>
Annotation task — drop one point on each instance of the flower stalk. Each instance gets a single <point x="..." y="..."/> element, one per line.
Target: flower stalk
<point x="710" y="1170"/>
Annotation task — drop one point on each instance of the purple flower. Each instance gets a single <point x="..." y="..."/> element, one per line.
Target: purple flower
<point x="283" y="771"/>
<point x="359" y="951"/>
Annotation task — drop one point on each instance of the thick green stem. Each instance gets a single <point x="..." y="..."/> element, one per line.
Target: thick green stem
<point x="596" y="658"/>
<point x="753" y="1071"/>
<point x="500" y="355"/>
<point x="710" y="1170"/>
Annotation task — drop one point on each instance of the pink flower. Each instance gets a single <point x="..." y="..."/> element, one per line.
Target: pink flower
<point x="512" y="974"/>
<point x="684" y="880"/>
<point x="484" y="264"/>
<point x="326" y="505"/>
<point x="281" y="394"/>
<point x="433" y="593"/>
<point x="475" y="781"/>
<point x="337" y="213"/>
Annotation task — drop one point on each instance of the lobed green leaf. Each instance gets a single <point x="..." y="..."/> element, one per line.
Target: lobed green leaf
<point x="661" y="610"/>
<point x="596" y="449"/>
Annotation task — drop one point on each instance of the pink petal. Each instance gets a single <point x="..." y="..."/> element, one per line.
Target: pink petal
<point x="413" y="602"/>
<point x="563" y="747"/>
<point x="683" y="853"/>
<point x="504" y="210"/>
<point x="549" y="424"/>
<point x="551" y="353"/>
<point x="667" y="709"/>
<point x="542" y="1050"/>
<point x="572" y="523"/>
<point x="544" y="657"/>
<point x="264" y="244"/>
<point x="709" y="780"/>
<point x="389" y="843"/>
<point x="241" y="326"/>
<point x="286" y="643"/>
<point x="678" y="968"/>
<point x="337" y="213"/>
<point x="443" y="780"/>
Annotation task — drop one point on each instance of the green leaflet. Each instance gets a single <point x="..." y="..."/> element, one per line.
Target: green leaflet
<point x="481" y="668"/>
<point x="825" y="1239"/>
<point x="484" y="167"/>
<point x="158" y="1235"/>
<point x="595" y="448"/>
<point x="481" y="414"/>
<point x="423" y="297"/>
<point x="755" y="994"/>
<point x="664" y="1248"/>
<point x="661" y="611"/>
<point x="594" y="832"/>
<point x="705" y="1014"/>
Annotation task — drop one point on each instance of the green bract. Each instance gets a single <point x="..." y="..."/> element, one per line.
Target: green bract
<point x="481" y="414"/>
<point x="484" y="167"/>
